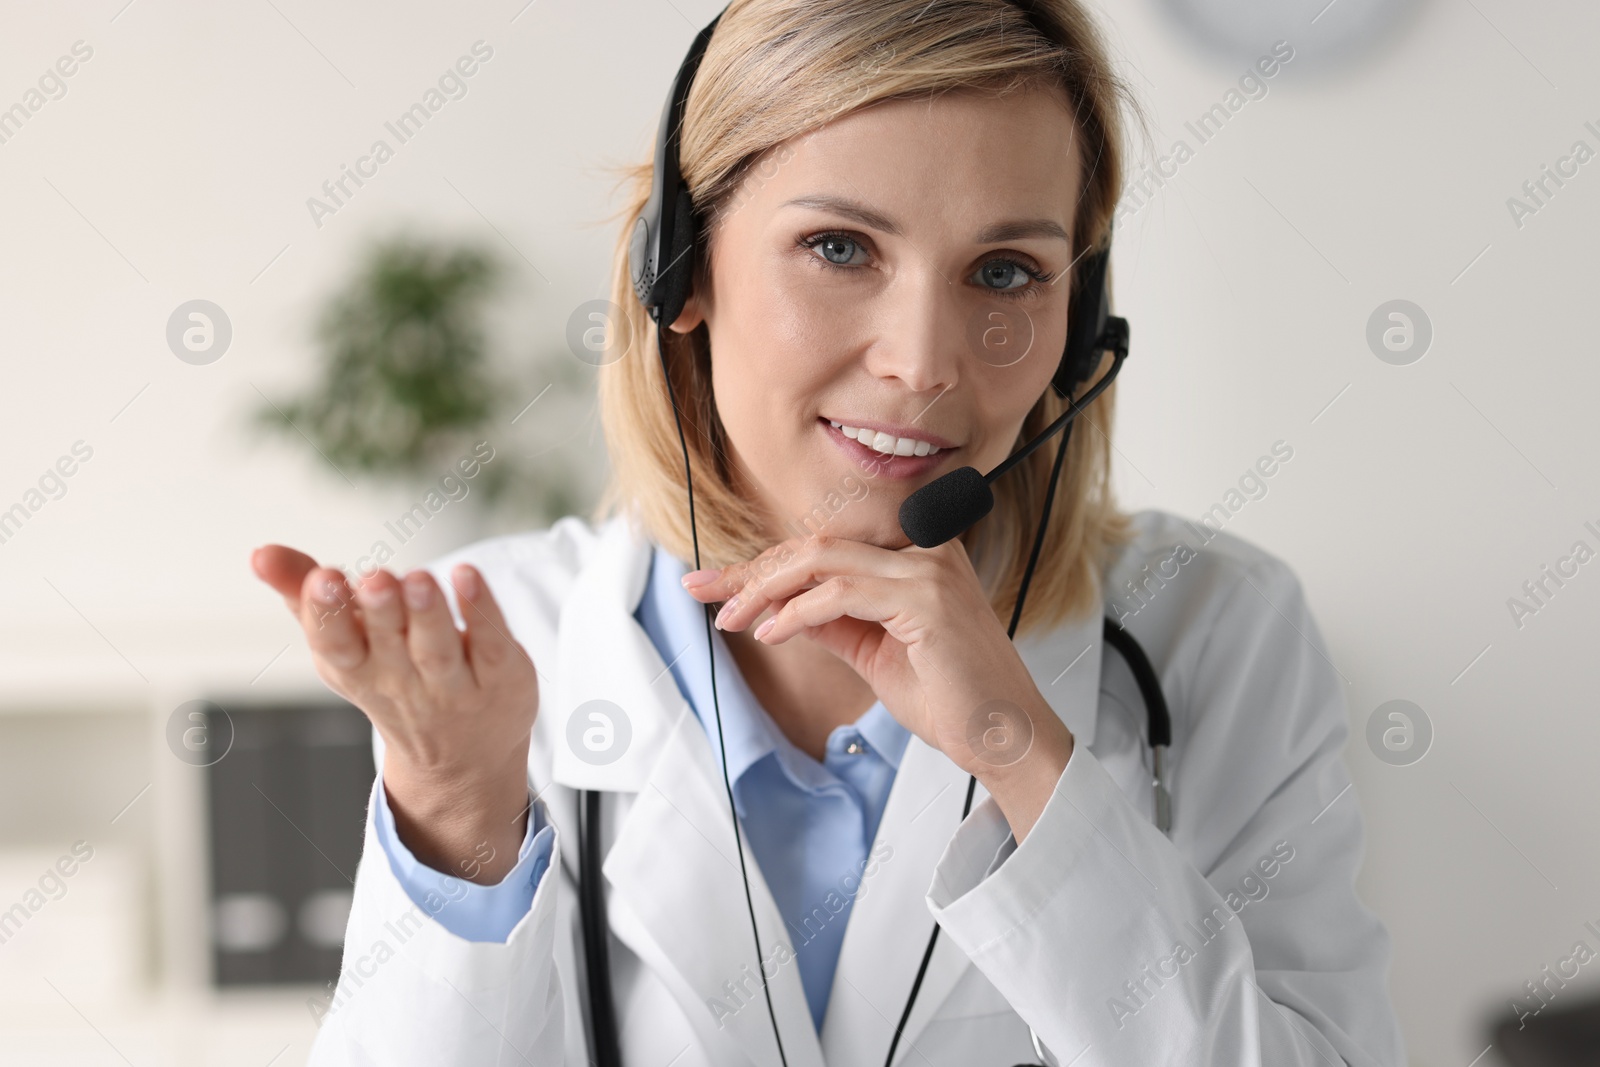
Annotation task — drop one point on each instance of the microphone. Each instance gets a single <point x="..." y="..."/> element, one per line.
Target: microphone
<point x="952" y="502"/>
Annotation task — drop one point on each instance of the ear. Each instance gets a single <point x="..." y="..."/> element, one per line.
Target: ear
<point x="691" y="315"/>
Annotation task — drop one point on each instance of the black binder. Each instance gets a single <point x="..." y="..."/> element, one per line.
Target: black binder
<point x="287" y="809"/>
<point x="1565" y="1036"/>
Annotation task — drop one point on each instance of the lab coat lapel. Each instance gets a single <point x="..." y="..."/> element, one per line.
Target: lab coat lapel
<point x="676" y="893"/>
<point x="605" y="655"/>
<point x="889" y="922"/>
<point x="675" y="868"/>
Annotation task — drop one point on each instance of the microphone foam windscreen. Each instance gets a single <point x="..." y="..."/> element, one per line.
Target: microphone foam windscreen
<point x="945" y="507"/>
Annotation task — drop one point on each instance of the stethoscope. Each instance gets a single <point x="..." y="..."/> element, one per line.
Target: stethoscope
<point x="662" y="254"/>
<point x="591" y="896"/>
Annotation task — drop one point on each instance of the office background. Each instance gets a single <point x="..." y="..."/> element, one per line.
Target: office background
<point x="1428" y="484"/>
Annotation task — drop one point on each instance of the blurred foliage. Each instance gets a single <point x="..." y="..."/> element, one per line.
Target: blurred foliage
<point x="407" y="387"/>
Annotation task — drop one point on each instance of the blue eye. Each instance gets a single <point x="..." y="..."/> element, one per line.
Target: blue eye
<point x="834" y="244"/>
<point x="1001" y="276"/>
<point x="1009" y="273"/>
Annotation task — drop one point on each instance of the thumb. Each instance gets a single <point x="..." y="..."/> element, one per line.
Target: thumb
<point x="284" y="569"/>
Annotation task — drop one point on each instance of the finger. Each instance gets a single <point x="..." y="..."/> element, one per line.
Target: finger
<point x="328" y="616"/>
<point x="751" y="588"/>
<point x="712" y="585"/>
<point x="432" y="637"/>
<point x="284" y="569"/>
<point x="735" y="582"/>
<point x="492" y="653"/>
<point x="384" y="616"/>
<point x="867" y="599"/>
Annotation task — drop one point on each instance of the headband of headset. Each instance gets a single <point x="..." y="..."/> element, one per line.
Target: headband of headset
<point x="662" y="250"/>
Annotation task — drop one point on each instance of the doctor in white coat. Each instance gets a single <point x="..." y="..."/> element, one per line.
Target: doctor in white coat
<point x="776" y="854"/>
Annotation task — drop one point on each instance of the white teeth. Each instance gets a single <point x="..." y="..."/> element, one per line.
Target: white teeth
<point x="885" y="443"/>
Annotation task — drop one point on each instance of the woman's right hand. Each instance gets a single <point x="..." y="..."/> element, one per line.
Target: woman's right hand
<point x="455" y="708"/>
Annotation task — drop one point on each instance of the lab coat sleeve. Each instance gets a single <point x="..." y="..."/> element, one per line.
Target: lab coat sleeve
<point x="472" y="911"/>
<point x="411" y="993"/>
<point x="1238" y="941"/>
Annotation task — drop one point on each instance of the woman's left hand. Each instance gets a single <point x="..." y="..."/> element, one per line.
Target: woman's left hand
<point x="916" y="625"/>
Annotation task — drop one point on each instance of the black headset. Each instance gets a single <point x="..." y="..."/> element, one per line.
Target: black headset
<point x="666" y="238"/>
<point x="662" y="254"/>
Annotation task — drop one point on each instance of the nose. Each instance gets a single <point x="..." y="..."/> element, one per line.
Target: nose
<point x="922" y="337"/>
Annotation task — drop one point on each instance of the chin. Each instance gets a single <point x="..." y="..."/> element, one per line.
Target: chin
<point x="877" y="524"/>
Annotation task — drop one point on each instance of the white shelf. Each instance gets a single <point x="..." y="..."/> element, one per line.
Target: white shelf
<point x="166" y="1029"/>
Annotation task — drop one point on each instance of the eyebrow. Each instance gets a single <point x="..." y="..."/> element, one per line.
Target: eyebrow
<point x="1010" y="230"/>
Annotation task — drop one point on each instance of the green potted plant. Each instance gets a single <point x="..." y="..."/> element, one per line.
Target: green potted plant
<point x="407" y="392"/>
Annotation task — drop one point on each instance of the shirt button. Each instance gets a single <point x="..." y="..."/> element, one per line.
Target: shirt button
<point x="854" y="748"/>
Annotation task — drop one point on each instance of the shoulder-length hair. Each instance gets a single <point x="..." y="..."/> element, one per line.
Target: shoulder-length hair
<point x="776" y="69"/>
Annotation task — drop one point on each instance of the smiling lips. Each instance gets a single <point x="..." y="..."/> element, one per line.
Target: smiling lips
<point x="894" y="455"/>
<point x="886" y="443"/>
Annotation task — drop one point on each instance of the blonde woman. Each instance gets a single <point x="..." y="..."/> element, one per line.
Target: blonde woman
<point x="861" y="819"/>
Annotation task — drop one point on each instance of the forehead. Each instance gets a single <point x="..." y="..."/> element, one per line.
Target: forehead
<point x="966" y="153"/>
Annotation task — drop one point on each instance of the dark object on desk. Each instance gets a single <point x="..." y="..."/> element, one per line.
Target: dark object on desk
<point x="1567" y="1036"/>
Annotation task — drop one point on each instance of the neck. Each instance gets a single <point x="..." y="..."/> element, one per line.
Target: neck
<point x="806" y="689"/>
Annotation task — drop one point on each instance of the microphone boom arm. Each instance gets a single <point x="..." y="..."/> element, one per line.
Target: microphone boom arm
<point x="953" y="502"/>
<point x="1074" y="410"/>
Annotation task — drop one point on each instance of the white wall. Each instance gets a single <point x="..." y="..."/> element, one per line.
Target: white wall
<point x="1426" y="494"/>
<point x="178" y="166"/>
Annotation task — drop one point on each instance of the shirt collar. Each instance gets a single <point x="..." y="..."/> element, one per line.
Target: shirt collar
<point x="676" y="622"/>
<point x="883" y="733"/>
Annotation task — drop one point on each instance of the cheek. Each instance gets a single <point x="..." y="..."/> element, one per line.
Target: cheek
<point x="1008" y="394"/>
<point x="776" y="349"/>
<point x="1022" y="384"/>
<point x="803" y="320"/>
<point x="768" y="378"/>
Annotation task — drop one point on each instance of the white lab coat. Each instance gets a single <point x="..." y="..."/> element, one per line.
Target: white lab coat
<point x="1086" y="914"/>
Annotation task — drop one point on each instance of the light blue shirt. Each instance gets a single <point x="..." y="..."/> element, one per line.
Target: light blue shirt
<point x="810" y="825"/>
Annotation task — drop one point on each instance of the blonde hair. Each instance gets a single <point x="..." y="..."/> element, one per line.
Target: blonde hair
<point x="776" y="69"/>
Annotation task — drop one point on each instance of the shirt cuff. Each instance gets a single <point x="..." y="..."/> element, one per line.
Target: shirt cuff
<point x="471" y="911"/>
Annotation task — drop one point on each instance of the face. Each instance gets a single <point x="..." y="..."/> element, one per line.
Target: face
<point x="890" y="285"/>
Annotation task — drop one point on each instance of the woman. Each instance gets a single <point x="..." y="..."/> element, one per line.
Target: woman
<point x="878" y="185"/>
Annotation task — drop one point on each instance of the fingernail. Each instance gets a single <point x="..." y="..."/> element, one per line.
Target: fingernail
<point x="417" y="592"/>
<point x="695" y="579"/>
<point x="727" y="610"/>
<point x="765" y="628"/>
<point x="376" y="595"/>
<point x="467" y="582"/>
<point x="327" y="591"/>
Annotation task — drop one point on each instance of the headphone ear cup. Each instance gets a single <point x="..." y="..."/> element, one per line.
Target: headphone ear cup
<point x="1085" y="323"/>
<point x="677" y="274"/>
